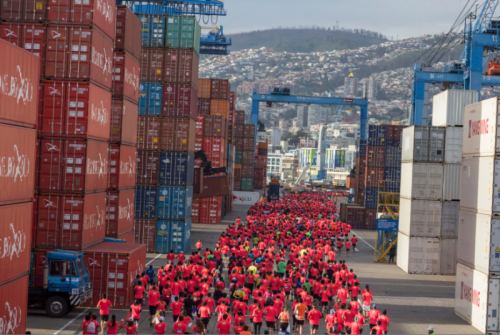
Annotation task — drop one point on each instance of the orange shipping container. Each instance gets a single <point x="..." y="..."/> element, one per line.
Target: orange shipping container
<point x="219" y="107"/>
<point x="178" y="134"/>
<point x="204" y="88"/>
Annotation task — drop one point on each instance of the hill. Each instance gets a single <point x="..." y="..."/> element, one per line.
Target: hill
<point x="305" y="40"/>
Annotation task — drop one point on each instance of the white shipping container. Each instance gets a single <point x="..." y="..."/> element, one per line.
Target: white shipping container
<point x="448" y="106"/>
<point x="480" y="185"/>
<point x="449" y="219"/>
<point x="423" y="144"/>
<point x="422" y="181"/>
<point x="480" y="131"/>
<point x="421" y="253"/>
<point x="448" y="256"/>
<point x="471" y="297"/>
<point x="479" y="239"/>
<point x="453" y="145"/>
<point x="451" y="181"/>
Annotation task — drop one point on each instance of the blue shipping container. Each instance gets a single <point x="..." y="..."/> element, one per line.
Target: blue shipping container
<point x="145" y="202"/>
<point x="376" y="135"/>
<point x="173" y="235"/>
<point x="153" y="30"/>
<point x="362" y="149"/>
<point x="371" y="198"/>
<point x="175" y="202"/>
<point x="392" y="174"/>
<point x="150" y="98"/>
<point x="392" y="157"/>
<point x="176" y="169"/>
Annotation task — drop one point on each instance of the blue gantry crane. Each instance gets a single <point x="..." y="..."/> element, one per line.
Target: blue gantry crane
<point x="214" y="42"/>
<point x="481" y="37"/>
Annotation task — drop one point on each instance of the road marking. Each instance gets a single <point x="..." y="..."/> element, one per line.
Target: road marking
<point x="72" y="321"/>
<point x="154" y="259"/>
<point x="368" y="244"/>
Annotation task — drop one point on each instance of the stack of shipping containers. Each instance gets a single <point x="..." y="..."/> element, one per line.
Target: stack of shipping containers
<point x="18" y="114"/>
<point x="477" y="279"/>
<point x="237" y="139"/>
<point x="430" y="190"/>
<point x="244" y="144"/>
<point x="166" y="131"/>
<point x="260" y="172"/>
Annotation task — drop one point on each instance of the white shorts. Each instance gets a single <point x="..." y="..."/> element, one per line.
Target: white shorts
<point x="366" y="308"/>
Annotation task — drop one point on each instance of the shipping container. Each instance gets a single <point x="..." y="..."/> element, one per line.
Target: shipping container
<point x="422" y="181"/>
<point x="239" y="117"/>
<point x="359" y="196"/>
<point x="203" y="105"/>
<point x="393" y="135"/>
<point x="79" y="53"/>
<point x="370" y="219"/>
<point x="220" y="107"/>
<point x="153" y="30"/>
<point x="148" y="133"/>
<point x="20" y="76"/>
<point x="151" y="63"/>
<point x="448" y="106"/>
<point x="220" y="89"/>
<point x="15" y="234"/>
<point x="427" y="218"/>
<point x="418" y="255"/>
<point x="479" y="242"/>
<point x="123" y="122"/>
<point x="423" y="144"/>
<point x="181" y="66"/>
<point x="478" y="118"/>
<point x="72" y="222"/>
<point x="214" y="187"/>
<point x="374" y="177"/>
<point x="173" y="236"/>
<point x="119" y="212"/>
<point x="249" y="131"/>
<point x="392" y="177"/>
<point x="73" y="165"/>
<point x="249" y="144"/>
<point x="362" y="148"/>
<point x="371" y="198"/>
<point x="150" y="99"/>
<point x="113" y="268"/>
<point x="453" y="145"/>
<point x="182" y="32"/>
<point x="75" y="109"/>
<point x="215" y="149"/>
<point x="375" y="156"/>
<point x="376" y="135"/>
<point x="393" y="157"/>
<point x="174" y="202"/>
<point x="204" y="87"/>
<point x="451" y="181"/>
<point x="176" y="169"/>
<point x="479" y="183"/>
<point x="146" y="198"/>
<point x="122" y="165"/>
<point x="145" y="233"/>
<point x="214" y="126"/>
<point x="178" y="134"/>
<point x="15" y="306"/>
<point x="126" y="71"/>
<point x="343" y="211"/>
<point x="17" y="164"/>
<point x="179" y="100"/>
<point x="128" y="32"/>
<point x="247" y="184"/>
<point x="148" y="167"/>
<point x="24" y="10"/>
<point x="448" y="256"/>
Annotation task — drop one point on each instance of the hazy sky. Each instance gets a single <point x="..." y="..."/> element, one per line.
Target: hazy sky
<point x="403" y="18"/>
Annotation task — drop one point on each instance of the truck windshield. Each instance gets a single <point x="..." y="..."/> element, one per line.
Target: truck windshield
<point x="61" y="268"/>
<point x="79" y="266"/>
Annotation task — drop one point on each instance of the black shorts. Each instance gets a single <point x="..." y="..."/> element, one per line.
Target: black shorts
<point x="325" y="303"/>
<point x="315" y="327"/>
<point x="105" y="317"/>
<point x="140" y="301"/>
<point x="152" y="310"/>
<point x="300" y="322"/>
<point x="270" y="324"/>
<point x="347" y="249"/>
<point x="205" y="321"/>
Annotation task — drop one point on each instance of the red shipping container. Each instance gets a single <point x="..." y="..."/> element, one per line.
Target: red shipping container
<point x="198" y="145"/>
<point x="200" y="125"/>
<point x="122" y="162"/>
<point x="152" y="64"/>
<point x="355" y="216"/>
<point x="248" y="158"/>
<point x="73" y="165"/>
<point x="220" y="89"/>
<point x="72" y="222"/>
<point x="249" y="144"/>
<point x="128" y="32"/>
<point x="178" y="134"/>
<point x="260" y="162"/>
<point x="23" y="10"/>
<point x="249" y="131"/>
<point x="393" y="133"/>
<point x="360" y="165"/>
<point x="195" y="211"/>
<point x="359" y="196"/>
<point x="145" y="233"/>
<point x="215" y="126"/>
<point x="239" y="131"/>
<point x="14" y="306"/>
<point x="370" y="220"/>
<point x="258" y="184"/>
<point x="213" y="187"/>
<point x="239" y="143"/>
<point x="126" y="77"/>
<point x="119" y="212"/>
<point x="113" y="267"/>
<point x="80" y="54"/>
<point x="128" y="237"/>
<point x="198" y="181"/>
<point x="215" y="211"/>
<point x="124" y="122"/>
<point x="98" y="13"/>
<point x="247" y="171"/>
<point x="375" y="156"/>
<point x="232" y="102"/>
<point x="203" y="106"/>
<point x="215" y="149"/>
<point x="148" y="133"/>
<point x="179" y="100"/>
<point x="373" y="177"/>
<point x="15" y="234"/>
<point x="20" y="73"/>
<point x="181" y="66"/>
<point x="148" y="164"/>
<point x="76" y="109"/>
<point x="12" y="32"/>
<point x="17" y="164"/>
<point x="239" y="117"/>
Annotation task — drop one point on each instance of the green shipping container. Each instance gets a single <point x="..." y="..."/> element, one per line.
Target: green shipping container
<point x="247" y="184"/>
<point x="183" y="32"/>
<point x="238" y="157"/>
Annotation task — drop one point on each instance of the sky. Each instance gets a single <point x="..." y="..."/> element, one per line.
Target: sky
<point x="397" y="18"/>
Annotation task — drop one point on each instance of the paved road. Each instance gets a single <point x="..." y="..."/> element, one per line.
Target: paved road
<point x="413" y="302"/>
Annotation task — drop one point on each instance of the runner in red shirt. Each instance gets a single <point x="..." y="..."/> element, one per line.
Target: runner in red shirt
<point x="104" y="305"/>
<point x="384" y="321"/>
<point x="161" y="326"/>
<point x="179" y="327"/>
<point x="314" y="316"/>
<point x="224" y="326"/>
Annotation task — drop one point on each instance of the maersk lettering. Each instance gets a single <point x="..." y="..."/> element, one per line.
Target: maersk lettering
<point x="479" y="127"/>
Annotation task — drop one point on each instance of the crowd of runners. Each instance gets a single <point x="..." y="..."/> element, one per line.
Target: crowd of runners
<point x="281" y="269"/>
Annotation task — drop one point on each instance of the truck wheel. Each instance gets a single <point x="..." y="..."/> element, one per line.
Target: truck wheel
<point x="56" y="306"/>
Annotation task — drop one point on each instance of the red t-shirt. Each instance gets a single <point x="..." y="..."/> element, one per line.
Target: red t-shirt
<point x="131" y="329"/>
<point x="136" y="311"/>
<point x="271" y="313"/>
<point x="179" y="327"/>
<point x="104" y="305"/>
<point x="257" y="315"/>
<point x="111" y="329"/>
<point x="153" y="297"/>
<point x="139" y="290"/>
<point x="224" y="327"/>
<point x="160" y="328"/>
<point x="314" y="316"/>
<point x="176" y="308"/>
<point x="373" y="315"/>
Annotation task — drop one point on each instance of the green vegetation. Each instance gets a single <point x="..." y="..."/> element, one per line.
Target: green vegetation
<point x="305" y="39"/>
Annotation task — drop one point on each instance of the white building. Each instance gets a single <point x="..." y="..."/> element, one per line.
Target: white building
<point x="318" y="114"/>
<point x="302" y="114"/>
<point x="274" y="164"/>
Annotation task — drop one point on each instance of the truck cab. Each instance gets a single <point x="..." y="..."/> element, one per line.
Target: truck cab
<point x="64" y="283"/>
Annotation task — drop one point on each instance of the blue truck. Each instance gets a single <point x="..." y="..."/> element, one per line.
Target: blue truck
<point x="64" y="284"/>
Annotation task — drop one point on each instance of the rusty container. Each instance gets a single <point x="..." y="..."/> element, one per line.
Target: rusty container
<point x="220" y="89"/>
<point x="203" y="106"/>
<point x="15" y="305"/>
<point x="179" y="100"/>
<point x="126" y="77"/>
<point x="148" y="133"/>
<point x="219" y="107"/>
<point x="128" y="32"/>
<point x="181" y="66"/>
<point x="119" y="212"/>
<point x="123" y="122"/>
<point x="204" y="85"/>
<point x="152" y="64"/>
<point x="122" y="163"/>
<point x="148" y="165"/>
<point x="178" y="134"/>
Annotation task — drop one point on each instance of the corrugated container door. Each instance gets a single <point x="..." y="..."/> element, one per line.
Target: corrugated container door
<point x="173" y="32"/>
<point x="157" y="31"/>
<point x="180" y="235"/>
<point x="163" y="237"/>
<point x="150" y="99"/>
<point x="176" y="169"/>
<point x="148" y="165"/>
<point x="146" y="202"/>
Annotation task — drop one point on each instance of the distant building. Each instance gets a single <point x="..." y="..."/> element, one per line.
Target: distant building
<point x="274" y="164"/>
<point x="290" y="166"/>
<point x="302" y="116"/>
<point x="353" y="90"/>
<point x="372" y="88"/>
<point x="284" y="124"/>
<point x="317" y="114"/>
